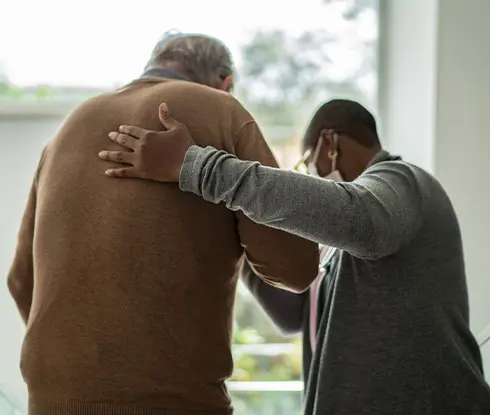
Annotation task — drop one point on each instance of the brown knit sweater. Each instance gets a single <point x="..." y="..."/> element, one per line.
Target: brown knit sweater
<point x="127" y="286"/>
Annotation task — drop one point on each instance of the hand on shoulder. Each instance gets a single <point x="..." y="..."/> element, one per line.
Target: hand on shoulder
<point x="151" y="155"/>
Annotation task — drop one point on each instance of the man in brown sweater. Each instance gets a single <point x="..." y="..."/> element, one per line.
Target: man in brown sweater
<point x="134" y="316"/>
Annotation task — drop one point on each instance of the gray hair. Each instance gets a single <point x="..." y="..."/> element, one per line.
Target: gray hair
<point x="205" y="60"/>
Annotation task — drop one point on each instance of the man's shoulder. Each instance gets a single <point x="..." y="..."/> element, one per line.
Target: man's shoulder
<point x="414" y="179"/>
<point x="400" y="166"/>
<point x="202" y="99"/>
<point x="89" y="105"/>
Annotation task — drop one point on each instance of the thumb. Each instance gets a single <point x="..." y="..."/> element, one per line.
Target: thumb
<point x="166" y="119"/>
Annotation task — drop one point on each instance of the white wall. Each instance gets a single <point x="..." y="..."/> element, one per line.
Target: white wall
<point x="407" y="77"/>
<point x="462" y="160"/>
<point x="435" y="103"/>
<point x="24" y="130"/>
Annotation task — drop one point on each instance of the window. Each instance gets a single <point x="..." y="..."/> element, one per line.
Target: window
<point x="7" y="407"/>
<point x="290" y="58"/>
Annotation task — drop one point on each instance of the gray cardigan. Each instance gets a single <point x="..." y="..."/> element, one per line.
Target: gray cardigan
<point x="396" y="340"/>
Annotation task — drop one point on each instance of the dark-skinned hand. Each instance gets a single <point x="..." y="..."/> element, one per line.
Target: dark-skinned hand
<point x="151" y="155"/>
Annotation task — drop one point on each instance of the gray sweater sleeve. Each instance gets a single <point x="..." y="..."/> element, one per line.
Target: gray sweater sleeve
<point x="370" y="218"/>
<point x="284" y="308"/>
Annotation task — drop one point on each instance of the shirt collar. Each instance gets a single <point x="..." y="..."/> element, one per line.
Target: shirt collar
<point x="383" y="155"/>
<point x="164" y="73"/>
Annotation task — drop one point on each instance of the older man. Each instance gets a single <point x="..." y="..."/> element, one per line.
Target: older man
<point x="127" y="288"/>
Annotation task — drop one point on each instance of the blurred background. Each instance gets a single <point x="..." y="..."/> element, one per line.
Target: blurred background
<point x="421" y="66"/>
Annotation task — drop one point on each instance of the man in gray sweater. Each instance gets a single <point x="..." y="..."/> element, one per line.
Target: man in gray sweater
<point x="395" y="339"/>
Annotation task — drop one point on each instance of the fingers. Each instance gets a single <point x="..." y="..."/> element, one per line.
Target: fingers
<point x="166" y="119"/>
<point x="163" y="112"/>
<point x="124" y="172"/>
<point x="133" y="131"/>
<point x="123" y="140"/>
<point x="117" y="156"/>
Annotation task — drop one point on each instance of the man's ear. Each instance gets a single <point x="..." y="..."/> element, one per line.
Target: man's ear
<point x="227" y="84"/>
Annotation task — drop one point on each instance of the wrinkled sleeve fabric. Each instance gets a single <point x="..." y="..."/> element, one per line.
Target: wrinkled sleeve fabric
<point x="370" y="218"/>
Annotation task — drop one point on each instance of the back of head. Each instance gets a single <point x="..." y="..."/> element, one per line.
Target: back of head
<point x="203" y="59"/>
<point x="345" y="117"/>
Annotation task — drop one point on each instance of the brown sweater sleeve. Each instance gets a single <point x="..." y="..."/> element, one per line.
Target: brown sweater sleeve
<point x="280" y="258"/>
<point x="20" y="278"/>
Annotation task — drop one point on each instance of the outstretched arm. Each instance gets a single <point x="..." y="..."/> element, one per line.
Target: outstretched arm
<point x="369" y="218"/>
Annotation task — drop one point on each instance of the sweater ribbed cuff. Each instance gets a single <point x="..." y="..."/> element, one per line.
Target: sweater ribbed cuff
<point x="190" y="173"/>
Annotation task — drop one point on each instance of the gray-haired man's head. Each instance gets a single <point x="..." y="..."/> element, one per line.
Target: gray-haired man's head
<point x="201" y="58"/>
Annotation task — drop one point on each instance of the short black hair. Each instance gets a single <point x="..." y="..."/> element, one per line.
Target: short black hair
<point x="345" y="117"/>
